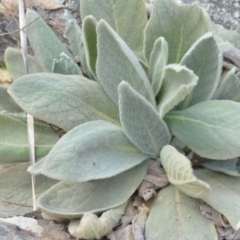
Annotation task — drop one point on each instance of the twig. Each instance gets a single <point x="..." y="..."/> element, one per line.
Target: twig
<point x="25" y="26"/>
<point x="30" y="121"/>
<point x="15" y="203"/>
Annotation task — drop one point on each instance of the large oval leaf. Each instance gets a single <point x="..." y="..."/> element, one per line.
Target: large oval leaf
<point x="172" y="21"/>
<point x="65" y="101"/>
<point x="116" y="62"/>
<point x="211" y="128"/>
<point x="224" y="196"/>
<point x="180" y="173"/>
<point x="93" y="150"/>
<point x="13" y="59"/>
<point x="14" y="145"/>
<point x="141" y="122"/>
<point x="178" y="82"/>
<point x="43" y="41"/>
<point x="205" y="59"/>
<point x="175" y="216"/>
<point x="120" y="16"/>
<point x="72" y="200"/>
<point x="16" y="190"/>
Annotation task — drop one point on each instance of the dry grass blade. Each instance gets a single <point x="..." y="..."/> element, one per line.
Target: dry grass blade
<point x="30" y="121"/>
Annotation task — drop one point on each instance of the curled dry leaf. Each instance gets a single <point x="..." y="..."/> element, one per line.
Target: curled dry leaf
<point x="139" y="222"/>
<point x="224" y="229"/>
<point x="229" y="66"/>
<point x="129" y="214"/>
<point x="155" y="179"/>
<point x="134" y="231"/>
<point x="124" y="233"/>
<point x="233" y="56"/>
<point x="210" y="213"/>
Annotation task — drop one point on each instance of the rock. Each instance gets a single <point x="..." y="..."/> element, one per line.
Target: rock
<point x="225" y="12"/>
<point x="55" y="13"/>
<point x="33" y="227"/>
<point x="9" y="231"/>
<point x="58" y="12"/>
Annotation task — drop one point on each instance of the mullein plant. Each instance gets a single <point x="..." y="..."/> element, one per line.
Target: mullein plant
<point x="129" y="92"/>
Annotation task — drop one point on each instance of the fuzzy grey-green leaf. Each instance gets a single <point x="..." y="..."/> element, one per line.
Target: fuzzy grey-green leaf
<point x="15" y="190"/>
<point x="74" y="35"/>
<point x="230" y="166"/>
<point x="158" y="60"/>
<point x="63" y="100"/>
<point x="90" y="43"/>
<point x="120" y="16"/>
<point x="180" y="173"/>
<point x="175" y="216"/>
<point x="93" y="227"/>
<point x="15" y="65"/>
<point x="224" y="196"/>
<point x="116" y="62"/>
<point x="210" y="128"/>
<point x="178" y="82"/>
<point x="6" y="101"/>
<point x="228" y="35"/>
<point x="71" y="200"/>
<point x="94" y="150"/>
<point x="229" y="88"/>
<point x="45" y="44"/>
<point x="141" y="122"/>
<point x="65" y="65"/>
<point x="180" y="25"/>
<point x="14" y="141"/>
<point x="205" y="60"/>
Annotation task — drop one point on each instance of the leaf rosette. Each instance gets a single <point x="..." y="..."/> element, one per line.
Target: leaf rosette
<point x="128" y="91"/>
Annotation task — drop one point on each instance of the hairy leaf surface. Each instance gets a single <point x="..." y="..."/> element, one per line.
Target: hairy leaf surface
<point x="180" y="173"/>
<point x="94" y="150"/>
<point x="63" y="101"/>
<point x="36" y="168"/>
<point x="224" y="196"/>
<point x="116" y="62"/>
<point x="178" y="82"/>
<point x="141" y="122"/>
<point x="14" y="145"/>
<point x="74" y="35"/>
<point x="120" y="16"/>
<point x="158" y="60"/>
<point x="6" y="101"/>
<point x="93" y="227"/>
<point x="211" y="128"/>
<point x="43" y="41"/>
<point x="229" y="88"/>
<point x="90" y="43"/>
<point x="16" y="190"/>
<point x="15" y="65"/>
<point x="230" y="167"/>
<point x="65" y="65"/>
<point x="175" y="216"/>
<point x="72" y="200"/>
<point x="205" y="59"/>
<point x="228" y="35"/>
<point x="172" y="21"/>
